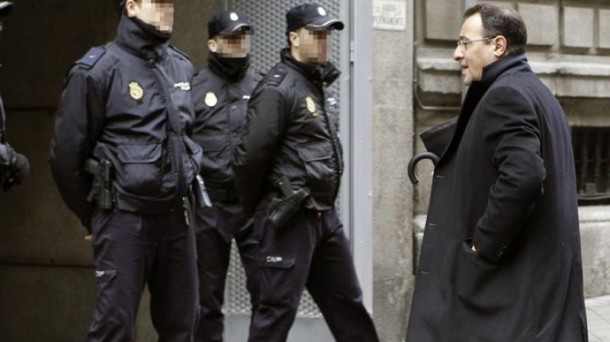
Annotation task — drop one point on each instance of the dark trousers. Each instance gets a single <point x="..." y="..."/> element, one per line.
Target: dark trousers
<point x="216" y="228"/>
<point x="311" y="252"/>
<point x="133" y="250"/>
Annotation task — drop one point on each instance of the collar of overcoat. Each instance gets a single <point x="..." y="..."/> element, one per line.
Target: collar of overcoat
<point x="504" y="66"/>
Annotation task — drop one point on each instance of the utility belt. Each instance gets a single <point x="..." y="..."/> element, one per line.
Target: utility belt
<point x="103" y="194"/>
<point x="228" y="195"/>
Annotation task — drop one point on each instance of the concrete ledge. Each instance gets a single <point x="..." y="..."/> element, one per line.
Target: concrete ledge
<point x="564" y="78"/>
<point x="598" y="318"/>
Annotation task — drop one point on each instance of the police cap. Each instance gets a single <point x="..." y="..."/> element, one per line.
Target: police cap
<point x="5" y="7"/>
<point x="311" y="16"/>
<point x="227" y="22"/>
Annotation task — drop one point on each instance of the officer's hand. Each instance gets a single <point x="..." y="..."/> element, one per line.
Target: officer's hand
<point x="86" y="221"/>
<point x="21" y="168"/>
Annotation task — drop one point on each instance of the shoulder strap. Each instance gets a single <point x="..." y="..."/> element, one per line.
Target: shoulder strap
<point x="92" y="56"/>
<point x="180" y="52"/>
<point x="276" y="76"/>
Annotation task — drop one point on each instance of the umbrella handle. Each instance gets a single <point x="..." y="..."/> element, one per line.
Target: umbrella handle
<point x="411" y="167"/>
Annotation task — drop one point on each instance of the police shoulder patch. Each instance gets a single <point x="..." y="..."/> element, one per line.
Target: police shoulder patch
<point x="92" y="56"/>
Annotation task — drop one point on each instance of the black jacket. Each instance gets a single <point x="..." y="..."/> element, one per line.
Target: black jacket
<point x="220" y="108"/>
<point x="506" y="182"/>
<point x="290" y="131"/>
<point x="115" y="106"/>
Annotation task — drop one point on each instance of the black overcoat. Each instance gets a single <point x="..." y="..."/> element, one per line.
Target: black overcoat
<point x="505" y="182"/>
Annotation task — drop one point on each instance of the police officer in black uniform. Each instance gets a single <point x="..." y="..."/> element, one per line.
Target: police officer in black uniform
<point x="127" y="105"/>
<point x="221" y="92"/>
<point x="14" y="166"/>
<point x="287" y="173"/>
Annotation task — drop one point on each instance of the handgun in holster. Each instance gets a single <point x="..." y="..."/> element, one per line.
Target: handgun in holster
<point x="201" y="193"/>
<point x="283" y="208"/>
<point x="102" y="183"/>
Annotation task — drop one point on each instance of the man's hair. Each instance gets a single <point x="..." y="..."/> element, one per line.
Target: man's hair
<point x="502" y="21"/>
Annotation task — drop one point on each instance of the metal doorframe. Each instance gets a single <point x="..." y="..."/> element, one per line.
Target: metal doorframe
<point x="357" y="116"/>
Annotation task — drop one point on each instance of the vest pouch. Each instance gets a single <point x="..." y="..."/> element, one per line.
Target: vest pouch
<point x="140" y="171"/>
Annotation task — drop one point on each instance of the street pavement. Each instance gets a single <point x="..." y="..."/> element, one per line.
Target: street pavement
<point x="598" y="318"/>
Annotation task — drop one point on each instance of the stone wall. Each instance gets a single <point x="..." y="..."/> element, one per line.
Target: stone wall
<point x="392" y="192"/>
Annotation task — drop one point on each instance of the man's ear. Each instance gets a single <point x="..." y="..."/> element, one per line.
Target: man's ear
<point x="212" y="45"/>
<point x="131" y="7"/>
<point x="501" y="46"/>
<point x="294" y="39"/>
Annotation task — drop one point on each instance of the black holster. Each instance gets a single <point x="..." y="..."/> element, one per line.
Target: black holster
<point x="283" y="208"/>
<point x="102" y="182"/>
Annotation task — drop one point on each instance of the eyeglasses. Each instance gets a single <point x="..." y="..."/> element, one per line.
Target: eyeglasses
<point x="462" y="43"/>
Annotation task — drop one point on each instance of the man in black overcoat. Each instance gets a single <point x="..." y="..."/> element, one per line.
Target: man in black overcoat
<point x="501" y="259"/>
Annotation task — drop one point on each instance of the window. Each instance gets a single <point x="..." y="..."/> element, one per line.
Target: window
<point x="591" y="155"/>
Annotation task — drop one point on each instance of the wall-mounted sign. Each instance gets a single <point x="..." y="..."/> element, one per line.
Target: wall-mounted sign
<point x="390" y="15"/>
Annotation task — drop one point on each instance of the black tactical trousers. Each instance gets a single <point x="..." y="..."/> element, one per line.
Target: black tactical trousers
<point x="311" y="252"/>
<point x="133" y="250"/>
<point x="215" y="228"/>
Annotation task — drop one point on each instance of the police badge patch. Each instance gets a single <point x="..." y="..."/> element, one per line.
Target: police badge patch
<point x="311" y="106"/>
<point x="135" y="91"/>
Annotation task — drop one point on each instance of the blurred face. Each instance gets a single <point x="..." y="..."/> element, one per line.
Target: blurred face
<point x="474" y="51"/>
<point x="236" y="45"/>
<point x="158" y="13"/>
<point x="309" y="46"/>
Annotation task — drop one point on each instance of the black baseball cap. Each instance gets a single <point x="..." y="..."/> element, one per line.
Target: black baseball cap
<point x="312" y="16"/>
<point x="5" y="7"/>
<point x="227" y="22"/>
